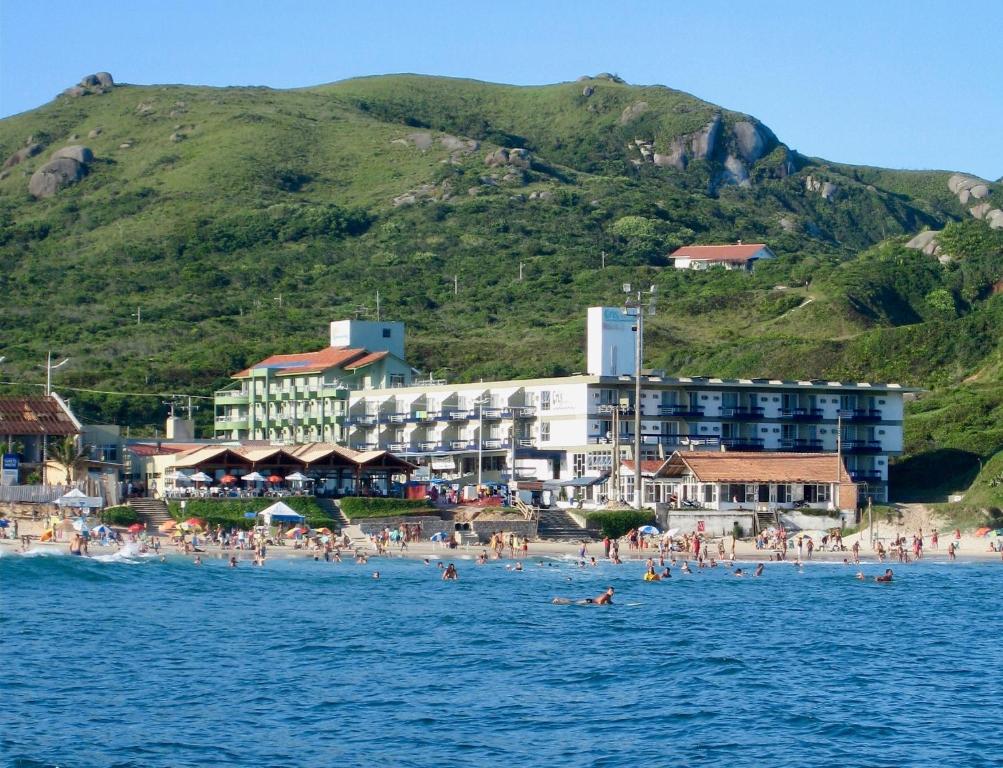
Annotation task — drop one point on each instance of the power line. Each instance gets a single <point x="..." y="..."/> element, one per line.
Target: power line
<point x="108" y="392"/>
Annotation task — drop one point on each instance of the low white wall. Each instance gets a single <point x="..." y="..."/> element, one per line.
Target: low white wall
<point x="715" y="523"/>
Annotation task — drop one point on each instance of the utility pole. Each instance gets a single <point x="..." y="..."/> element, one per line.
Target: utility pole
<point x="638" y="353"/>
<point x="603" y="253"/>
<point x="456" y="285"/>
<point x="377" y="305"/>
<point x="520" y="270"/>
<point x="138" y="314"/>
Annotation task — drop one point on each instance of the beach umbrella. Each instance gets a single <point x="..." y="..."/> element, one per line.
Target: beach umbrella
<point x="253" y="477"/>
<point x="323" y="531"/>
<point x="201" y="477"/>
<point x="671" y="532"/>
<point x="136" y="528"/>
<point x="4" y="522"/>
<point x="228" y="479"/>
<point x="100" y="530"/>
<point x="648" y="529"/>
<point x="181" y="477"/>
<point x="982" y="531"/>
<point x="274" y="478"/>
<point x="440" y="536"/>
<point x="168" y="526"/>
<point x="293" y="531"/>
<point x="297" y="477"/>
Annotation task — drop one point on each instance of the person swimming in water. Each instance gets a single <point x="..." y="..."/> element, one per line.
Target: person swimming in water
<point x="885" y="577"/>
<point x="606" y="598"/>
<point x="759" y="569"/>
<point x="450" y="573"/>
<point x="233" y="561"/>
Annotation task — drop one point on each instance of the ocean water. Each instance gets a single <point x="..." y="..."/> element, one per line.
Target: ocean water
<point x="134" y="662"/>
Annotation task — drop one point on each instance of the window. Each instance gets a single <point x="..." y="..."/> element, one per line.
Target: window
<point x="545" y="400"/>
<point x="783" y="494"/>
<point x="579" y="461"/>
<point x="709" y="493"/>
<point x="396" y="379"/>
<point x="386" y="333"/>
<point x="814" y="494"/>
<point x="544" y="431"/>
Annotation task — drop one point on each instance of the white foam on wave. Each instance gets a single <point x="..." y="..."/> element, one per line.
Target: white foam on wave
<point x="130" y="553"/>
<point x="43" y="553"/>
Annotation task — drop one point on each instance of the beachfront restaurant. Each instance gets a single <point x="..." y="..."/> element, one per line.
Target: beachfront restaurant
<point x="322" y="469"/>
<point x="733" y="481"/>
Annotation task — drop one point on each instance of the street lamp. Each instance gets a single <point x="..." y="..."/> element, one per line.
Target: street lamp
<point x="49" y="368"/>
<point x="637" y="305"/>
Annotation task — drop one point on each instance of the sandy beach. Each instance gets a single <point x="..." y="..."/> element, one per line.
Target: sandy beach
<point x="968" y="547"/>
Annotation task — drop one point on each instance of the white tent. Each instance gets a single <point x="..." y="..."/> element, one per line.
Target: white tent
<point x="254" y="477"/>
<point x="282" y="512"/>
<point x="200" y="477"/>
<point x="297" y="477"/>
<point x="77" y="499"/>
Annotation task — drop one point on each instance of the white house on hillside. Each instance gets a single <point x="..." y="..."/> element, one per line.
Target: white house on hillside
<point x="738" y="256"/>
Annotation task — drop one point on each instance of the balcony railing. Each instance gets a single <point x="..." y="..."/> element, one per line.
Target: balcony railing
<point x="862" y="446"/>
<point x="459" y="415"/>
<point x="682" y="411"/>
<point x="231" y="396"/>
<point x="861" y="414"/>
<point x="363" y="420"/>
<point x="743" y="443"/>
<point x="741" y="412"/>
<point x="799" y="444"/>
<point x="801" y="414"/>
<point x="867" y="476"/>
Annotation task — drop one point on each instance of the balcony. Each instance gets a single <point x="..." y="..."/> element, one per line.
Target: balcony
<point x="801" y="414"/>
<point x="363" y="420"/>
<point x="227" y="422"/>
<point x="862" y="446"/>
<point x="799" y="445"/>
<point x="459" y="415"/>
<point x="231" y="397"/>
<point x="496" y="445"/>
<point x="365" y="446"/>
<point x="462" y="445"/>
<point x="861" y="415"/>
<point x="398" y="418"/>
<point x="523" y="412"/>
<point x="743" y="443"/>
<point x="742" y="412"/>
<point x="867" y="476"/>
<point x="682" y="411"/>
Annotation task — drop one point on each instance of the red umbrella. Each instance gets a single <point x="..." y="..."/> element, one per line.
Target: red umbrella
<point x="228" y="479"/>
<point x="136" y="528"/>
<point x="193" y="521"/>
<point x="274" y="479"/>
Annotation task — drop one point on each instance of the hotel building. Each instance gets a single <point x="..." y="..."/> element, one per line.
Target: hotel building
<point x="360" y="392"/>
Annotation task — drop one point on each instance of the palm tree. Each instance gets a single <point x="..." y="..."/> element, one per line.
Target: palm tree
<point x="69" y="454"/>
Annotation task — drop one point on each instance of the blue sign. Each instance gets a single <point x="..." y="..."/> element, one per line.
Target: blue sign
<point x="11" y="461"/>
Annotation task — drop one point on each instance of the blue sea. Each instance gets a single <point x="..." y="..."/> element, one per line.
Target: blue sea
<point x="137" y="662"/>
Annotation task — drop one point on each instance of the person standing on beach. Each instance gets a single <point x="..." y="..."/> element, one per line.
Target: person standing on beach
<point x="605" y="546"/>
<point x="934" y="537"/>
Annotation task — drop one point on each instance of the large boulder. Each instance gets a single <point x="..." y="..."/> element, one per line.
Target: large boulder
<point x="995" y="218"/>
<point x="698" y="145"/>
<point x="104" y="79"/>
<point x="54" y="175"/>
<point x="734" y="171"/>
<point x="925" y="242"/>
<point x="633" y="111"/>
<point x="23" y="154"/>
<point x="82" y="155"/>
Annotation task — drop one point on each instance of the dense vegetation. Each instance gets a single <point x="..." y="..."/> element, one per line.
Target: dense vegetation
<point x="230" y="513"/>
<point x="359" y="507"/>
<point x="619" y="522"/>
<point x="218" y="226"/>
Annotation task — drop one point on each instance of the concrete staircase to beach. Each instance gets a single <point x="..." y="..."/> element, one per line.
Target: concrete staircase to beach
<point x="333" y="511"/>
<point x="558" y="525"/>
<point x="151" y="512"/>
<point x="765" y="520"/>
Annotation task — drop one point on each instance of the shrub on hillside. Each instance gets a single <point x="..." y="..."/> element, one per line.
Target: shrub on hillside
<point x="230" y="512"/>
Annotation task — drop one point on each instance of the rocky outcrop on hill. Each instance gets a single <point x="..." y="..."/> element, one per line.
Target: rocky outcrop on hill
<point x="971" y="188"/>
<point x="66" y="166"/>
<point x="456" y="146"/>
<point x="101" y="82"/>
<point x="22" y="154"/>
<point x="926" y="242"/>
<point x="517" y="157"/>
<point x="826" y="189"/>
<point x="54" y="175"/>
<point x="633" y="111"/>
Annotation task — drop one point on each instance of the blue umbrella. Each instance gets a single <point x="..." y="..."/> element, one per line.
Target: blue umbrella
<point x="648" y="529"/>
<point x="440" y="536"/>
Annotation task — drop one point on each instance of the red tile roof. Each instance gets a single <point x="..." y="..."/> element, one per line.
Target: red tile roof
<point x="754" y="467"/>
<point x="647" y="467"/>
<point x="372" y="357"/>
<point x="35" y="416"/>
<point x="733" y="253"/>
<point x="307" y="362"/>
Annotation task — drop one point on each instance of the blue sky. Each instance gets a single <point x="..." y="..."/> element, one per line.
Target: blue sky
<point x="901" y="84"/>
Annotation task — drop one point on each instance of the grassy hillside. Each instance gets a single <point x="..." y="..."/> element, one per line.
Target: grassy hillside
<point x="240" y="221"/>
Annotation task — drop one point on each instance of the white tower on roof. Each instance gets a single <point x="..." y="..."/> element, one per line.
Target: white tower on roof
<point x="366" y="334"/>
<point x="611" y="343"/>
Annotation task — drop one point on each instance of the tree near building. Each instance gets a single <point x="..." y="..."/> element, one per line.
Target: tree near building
<point x="69" y="454"/>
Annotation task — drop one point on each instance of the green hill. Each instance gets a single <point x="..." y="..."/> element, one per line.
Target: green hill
<point x="240" y="221"/>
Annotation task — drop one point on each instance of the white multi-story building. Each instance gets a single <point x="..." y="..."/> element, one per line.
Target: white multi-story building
<point x="569" y="427"/>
